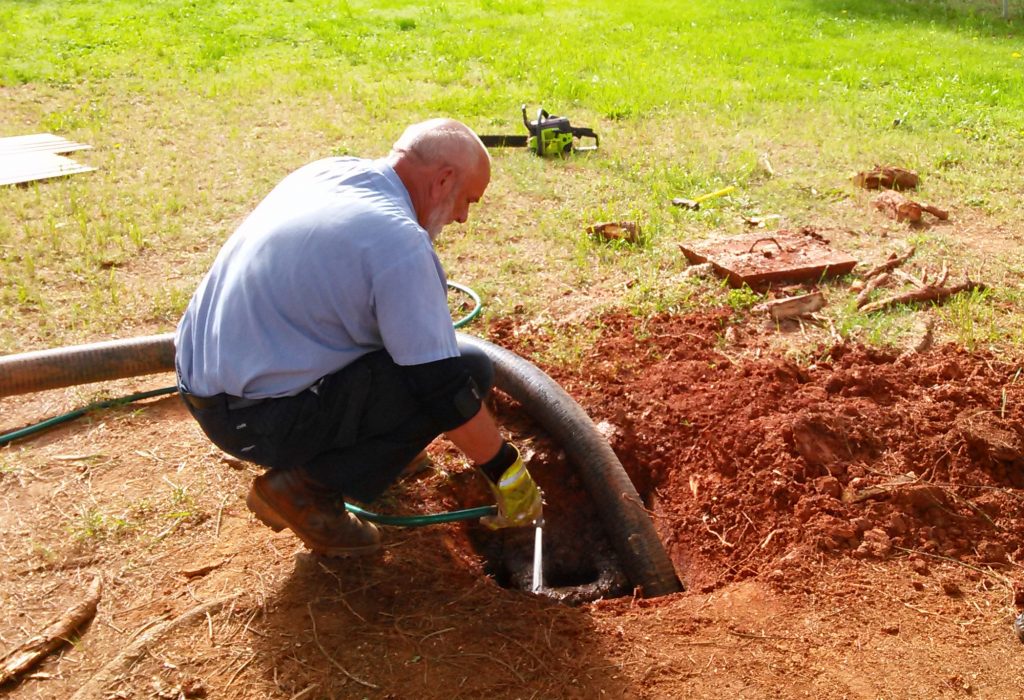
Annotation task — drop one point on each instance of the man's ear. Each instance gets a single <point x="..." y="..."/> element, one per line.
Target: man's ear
<point x="442" y="183"/>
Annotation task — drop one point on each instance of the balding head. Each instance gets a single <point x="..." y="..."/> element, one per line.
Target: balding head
<point x="445" y="167"/>
<point x="442" y="142"/>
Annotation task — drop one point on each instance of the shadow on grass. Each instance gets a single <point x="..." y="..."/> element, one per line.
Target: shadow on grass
<point x="978" y="15"/>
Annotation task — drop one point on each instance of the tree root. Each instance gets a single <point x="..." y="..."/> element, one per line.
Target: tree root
<point x="50" y="639"/>
<point x="890" y="264"/>
<point x="96" y="687"/>
<point x="936" y="293"/>
<point x="873" y="284"/>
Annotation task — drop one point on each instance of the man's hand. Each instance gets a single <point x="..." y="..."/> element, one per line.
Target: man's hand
<point x="520" y="500"/>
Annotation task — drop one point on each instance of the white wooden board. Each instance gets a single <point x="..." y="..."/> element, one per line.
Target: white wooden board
<point x="35" y="157"/>
<point x="26" y="167"/>
<point x="39" y="142"/>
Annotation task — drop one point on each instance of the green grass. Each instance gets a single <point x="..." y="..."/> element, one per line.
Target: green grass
<point x="94" y="524"/>
<point x="195" y="109"/>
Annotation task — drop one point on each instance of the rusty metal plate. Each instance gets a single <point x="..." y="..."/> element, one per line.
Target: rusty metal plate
<point x="759" y="260"/>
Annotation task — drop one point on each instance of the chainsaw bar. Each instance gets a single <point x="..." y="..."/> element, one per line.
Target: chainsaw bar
<point x="500" y="141"/>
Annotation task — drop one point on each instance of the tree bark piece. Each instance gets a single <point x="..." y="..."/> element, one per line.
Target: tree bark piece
<point x="886" y="177"/>
<point x="924" y="294"/>
<point x="52" y="638"/>
<point x="896" y="206"/>
<point x="793" y="307"/>
<point x="902" y="208"/>
<point x="628" y="231"/>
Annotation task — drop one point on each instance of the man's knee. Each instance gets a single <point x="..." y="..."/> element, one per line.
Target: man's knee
<point x="479" y="366"/>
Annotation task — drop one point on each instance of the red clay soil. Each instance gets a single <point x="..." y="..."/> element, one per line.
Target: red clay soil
<point x="748" y="467"/>
<point x="847" y="529"/>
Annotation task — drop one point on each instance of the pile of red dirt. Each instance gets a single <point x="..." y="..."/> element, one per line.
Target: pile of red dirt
<point x="754" y="466"/>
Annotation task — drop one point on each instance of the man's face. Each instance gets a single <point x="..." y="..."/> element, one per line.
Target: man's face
<point x="440" y="217"/>
<point x="455" y="206"/>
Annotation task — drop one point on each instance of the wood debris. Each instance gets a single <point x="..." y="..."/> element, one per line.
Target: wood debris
<point x="628" y="231"/>
<point x="57" y="633"/>
<point x="899" y="207"/>
<point x="35" y="157"/>
<point x="872" y="284"/>
<point x="887" y="177"/>
<point x="891" y="263"/>
<point x="879" y="276"/>
<point x="96" y="687"/>
<point x="925" y="291"/>
<point x="761" y="221"/>
<point x="793" y="307"/>
<point x="196" y="572"/>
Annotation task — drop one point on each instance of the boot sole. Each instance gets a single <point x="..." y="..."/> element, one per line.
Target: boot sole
<point x="272" y="519"/>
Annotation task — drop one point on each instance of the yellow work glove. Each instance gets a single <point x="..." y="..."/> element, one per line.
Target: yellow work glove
<point x="520" y="501"/>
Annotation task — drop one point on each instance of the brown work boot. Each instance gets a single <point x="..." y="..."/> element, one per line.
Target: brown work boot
<point x="284" y="498"/>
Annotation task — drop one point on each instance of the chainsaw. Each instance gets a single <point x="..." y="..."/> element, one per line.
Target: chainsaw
<point x="549" y="135"/>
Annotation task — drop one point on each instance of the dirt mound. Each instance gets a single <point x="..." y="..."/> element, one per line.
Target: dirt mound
<point x="759" y="465"/>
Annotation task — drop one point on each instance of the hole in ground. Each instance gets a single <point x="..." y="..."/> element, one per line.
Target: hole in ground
<point x="579" y="563"/>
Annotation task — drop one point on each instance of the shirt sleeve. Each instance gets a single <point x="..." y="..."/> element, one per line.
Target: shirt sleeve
<point x="411" y="307"/>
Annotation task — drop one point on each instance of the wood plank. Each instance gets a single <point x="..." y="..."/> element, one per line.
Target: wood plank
<point x="13" y="145"/>
<point x="26" y="167"/>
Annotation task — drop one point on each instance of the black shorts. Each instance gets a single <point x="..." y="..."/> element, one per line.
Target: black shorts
<point x="353" y="431"/>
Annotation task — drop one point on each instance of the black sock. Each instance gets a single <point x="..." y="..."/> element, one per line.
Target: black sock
<point x="496" y="465"/>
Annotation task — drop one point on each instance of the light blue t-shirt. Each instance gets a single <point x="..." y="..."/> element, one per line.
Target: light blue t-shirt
<point x="330" y="266"/>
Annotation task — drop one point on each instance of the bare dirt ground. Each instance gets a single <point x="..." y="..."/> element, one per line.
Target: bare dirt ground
<point x="850" y="529"/>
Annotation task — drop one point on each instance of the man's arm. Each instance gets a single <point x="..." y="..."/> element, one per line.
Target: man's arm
<point x="478" y="438"/>
<point x="447" y="391"/>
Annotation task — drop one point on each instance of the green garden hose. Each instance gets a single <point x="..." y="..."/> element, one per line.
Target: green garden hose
<point x="397" y="520"/>
<point x="78" y="412"/>
<point x="419" y="520"/>
<point x="477" y="308"/>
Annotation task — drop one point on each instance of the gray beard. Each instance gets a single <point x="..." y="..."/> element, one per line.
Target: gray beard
<point x="439" y="218"/>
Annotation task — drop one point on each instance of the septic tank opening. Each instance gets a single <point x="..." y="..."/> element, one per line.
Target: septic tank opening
<point x="579" y="563"/>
